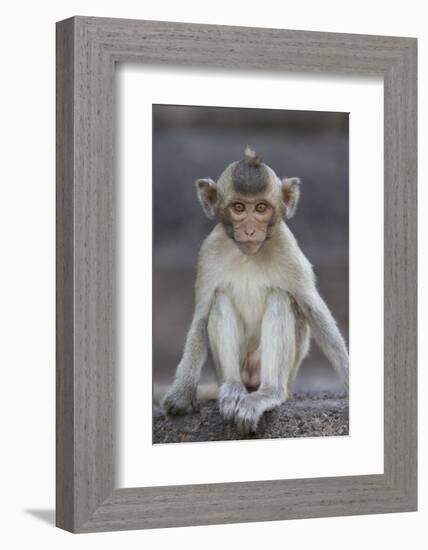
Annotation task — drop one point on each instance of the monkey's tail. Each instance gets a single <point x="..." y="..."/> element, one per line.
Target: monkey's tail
<point x="205" y="391"/>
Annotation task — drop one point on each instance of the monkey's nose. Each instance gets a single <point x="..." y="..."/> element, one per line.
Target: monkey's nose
<point x="250" y="232"/>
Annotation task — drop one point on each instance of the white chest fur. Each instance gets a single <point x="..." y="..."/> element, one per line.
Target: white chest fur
<point x="247" y="280"/>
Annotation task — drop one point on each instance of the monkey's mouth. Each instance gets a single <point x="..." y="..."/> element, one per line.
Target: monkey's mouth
<point x="249" y="247"/>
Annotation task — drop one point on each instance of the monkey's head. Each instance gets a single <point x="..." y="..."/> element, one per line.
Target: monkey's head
<point x="249" y="200"/>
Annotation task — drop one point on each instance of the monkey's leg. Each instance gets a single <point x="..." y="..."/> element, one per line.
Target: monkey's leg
<point x="278" y="353"/>
<point x="181" y="397"/>
<point x="224" y="334"/>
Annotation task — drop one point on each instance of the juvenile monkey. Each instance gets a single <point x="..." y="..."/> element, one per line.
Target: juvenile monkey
<point x="256" y="298"/>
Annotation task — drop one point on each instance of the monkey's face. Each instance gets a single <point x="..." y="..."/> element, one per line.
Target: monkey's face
<point x="249" y="199"/>
<point x="249" y="219"/>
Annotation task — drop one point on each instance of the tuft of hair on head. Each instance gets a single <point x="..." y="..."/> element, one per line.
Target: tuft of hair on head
<point x="252" y="158"/>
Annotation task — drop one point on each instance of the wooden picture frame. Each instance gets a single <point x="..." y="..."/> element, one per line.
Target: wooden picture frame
<point x="87" y="50"/>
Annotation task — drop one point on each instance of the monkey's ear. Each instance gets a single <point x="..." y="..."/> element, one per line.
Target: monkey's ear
<point x="207" y="195"/>
<point x="290" y="195"/>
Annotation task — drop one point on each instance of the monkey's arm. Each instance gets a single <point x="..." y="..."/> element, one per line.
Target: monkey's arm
<point x="325" y="331"/>
<point x="181" y="397"/>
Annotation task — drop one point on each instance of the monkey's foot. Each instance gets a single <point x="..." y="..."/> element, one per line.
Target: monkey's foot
<point x="251" y="408"/>
<point x="230" y="395"/>
<point x="179" y="402"/>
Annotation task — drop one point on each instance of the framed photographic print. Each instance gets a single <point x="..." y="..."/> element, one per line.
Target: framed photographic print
<point x="312" y="143"/>
<point x="236" y="274"/>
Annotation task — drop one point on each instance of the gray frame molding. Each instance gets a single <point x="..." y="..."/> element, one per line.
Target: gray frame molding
<point x="87" y="50"/>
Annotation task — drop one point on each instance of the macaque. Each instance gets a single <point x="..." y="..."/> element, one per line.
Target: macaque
<point x="256" y="301"/>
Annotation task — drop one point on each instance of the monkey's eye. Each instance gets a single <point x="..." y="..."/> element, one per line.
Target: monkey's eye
<point x="238" y="206"/>
<point x="261" y="207"/>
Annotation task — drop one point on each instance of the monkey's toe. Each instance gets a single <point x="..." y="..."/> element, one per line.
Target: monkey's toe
<point x="178" y="405"/>
<point x="229" y="396"/>
<point x="247" y="417"/>
<point x="250" y="409"/>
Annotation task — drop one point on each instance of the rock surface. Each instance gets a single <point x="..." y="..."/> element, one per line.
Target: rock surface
<point x="302" y="416"/>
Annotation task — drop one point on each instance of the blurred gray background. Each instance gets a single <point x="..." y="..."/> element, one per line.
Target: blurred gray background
<point x="194" y="142"/>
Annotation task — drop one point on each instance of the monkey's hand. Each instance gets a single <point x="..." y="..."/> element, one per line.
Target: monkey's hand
<point x="229" y="396"/>
<point x="250" y="409"/>
<point x="180" y="400"/>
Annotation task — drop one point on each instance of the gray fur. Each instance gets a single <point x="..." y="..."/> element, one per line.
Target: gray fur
<point x="249" y="178"/>
<point x="230" y="395"/>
